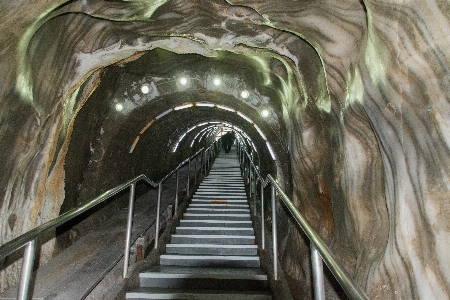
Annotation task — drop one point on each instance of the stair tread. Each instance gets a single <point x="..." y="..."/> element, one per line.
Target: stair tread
<point x="161" y="293"/>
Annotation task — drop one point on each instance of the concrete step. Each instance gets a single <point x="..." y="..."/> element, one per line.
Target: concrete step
<point x="224" y="201"/>
<point x="220" y="189"/>
<point x="219" y="205"/>
<point x="251" y="279"/>
<point x="152" y="293"/>
<point x="215" y="230"/>
<point x="211" y="249"/>
<point x="209" y="210"/>
<point x="218" y="223"/>
<point x="213" y="239"/>
<point x="220" y="197"/>
<point x="230" y="261"/>
<point x="216" y="216"/>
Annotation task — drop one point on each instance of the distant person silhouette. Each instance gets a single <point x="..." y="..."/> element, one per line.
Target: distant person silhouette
<point x="228" y="140"/>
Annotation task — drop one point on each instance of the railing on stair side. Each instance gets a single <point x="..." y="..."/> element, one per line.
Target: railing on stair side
<point x="30" y="238"/>
<point x="319" y="250"/>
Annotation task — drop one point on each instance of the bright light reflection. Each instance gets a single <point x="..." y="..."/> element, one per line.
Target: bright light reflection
<point x="265" y="113"/>
<point x="204" y="104"/>
<point x="119" y="106"/>
<point x="183" y="106"/>
<point x="183" y="81"/>
<point x="245" y="94"/>
<point x="244" y="117"/>
<point x="145" y="89"/>
<point x="217" y="81"/>
<point x="225" y="108"/>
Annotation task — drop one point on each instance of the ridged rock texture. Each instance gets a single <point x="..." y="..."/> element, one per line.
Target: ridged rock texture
<point x="360" y="126"/>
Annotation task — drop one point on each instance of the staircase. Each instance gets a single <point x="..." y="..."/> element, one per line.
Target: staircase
<point x="213" y="254"/>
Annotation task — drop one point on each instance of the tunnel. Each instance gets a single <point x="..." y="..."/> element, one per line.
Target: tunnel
<point x="345" y="102"/>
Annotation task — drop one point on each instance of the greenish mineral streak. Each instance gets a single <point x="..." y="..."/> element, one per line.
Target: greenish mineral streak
<point x="24" y="83"/>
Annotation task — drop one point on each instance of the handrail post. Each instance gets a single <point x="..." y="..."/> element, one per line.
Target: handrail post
<point x="249" y="174"/>
<point x="176" y="192"/>
<point x="27" y="270"/>
<point x="255" y="185"/>
<point x="158" y="208"/>
<point x="203" y="163"/>
<point x="250" y="180"/>
<point x="263" y="241"/>
<point x="274" y="235"/>
<point x="188" y="175"/>
<point x="129" y="225"/>
<point x="195" y="170"/>
<point x="317" y="270"/>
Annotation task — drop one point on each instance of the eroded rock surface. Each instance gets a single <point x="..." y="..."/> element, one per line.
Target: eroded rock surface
<point x="358" y="92"/>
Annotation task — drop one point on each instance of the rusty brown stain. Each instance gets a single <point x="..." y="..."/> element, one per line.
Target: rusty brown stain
<point x="219" y="201"/>
<point x="139" y="253"/>
<point x="147" y="126"/>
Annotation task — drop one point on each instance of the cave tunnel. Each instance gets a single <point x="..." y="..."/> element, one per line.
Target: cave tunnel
<point x="346" y="103"/>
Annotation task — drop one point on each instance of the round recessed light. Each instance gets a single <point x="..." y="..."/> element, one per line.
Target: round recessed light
<point x="245" y="94"/>
<point x="145" y="89"/>
<point x="217" y="81"/>
<point x="183" y="81"/>
<point x="265" y="113"/>
<point x="119" y="106"/>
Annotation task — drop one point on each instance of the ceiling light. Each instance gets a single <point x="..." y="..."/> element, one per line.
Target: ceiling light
<point x="244" y="116"/>
<point x="206" y="104"/>
<point x="225" y="108"/>
<point x="119" y="106"/>
<point x="183" y="81"/>
<point x="217" y="81"/>
<point x="183" y="106"/>
<point x="245" y="94"/>
<point x="265" y="113"/>
<point x="145" y="89"/>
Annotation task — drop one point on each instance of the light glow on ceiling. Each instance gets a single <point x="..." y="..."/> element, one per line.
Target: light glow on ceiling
<point x="183" y="81"/>
<point x="265" y="113"/>
<point x="245" y="94"/>
<point x="225" y="108"/>
<point x="271" y="151"/>
<point x="217" y="81"/>
<point x="119" y="106"/>
<point x="260" y="132"/>
<point x="183" y="106"/>
<point x="145" y="89"/>
<point x="244" y="117"/>
<point x="163" y="114"/>
<point x="206" y="104"/>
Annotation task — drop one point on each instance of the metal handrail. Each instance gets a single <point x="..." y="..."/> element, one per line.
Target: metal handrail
<point x="318" y="246"/>
<point x="29" y="239"/>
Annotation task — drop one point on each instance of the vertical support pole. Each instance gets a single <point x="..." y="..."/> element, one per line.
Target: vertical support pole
<point x="158" y="208"/>
<point x="129" y="225"/>
<point x="176" y="192"/>
<point x="250" y="180"/>
<point x="188" y="175"/>
<point x="27" y="270"/>
<point x="263" y="230"/>
<point x="195" y="170"/>
<point x="255" y="194"/>
<point x="317" y="270"/>
<point x="274" y="235"/>
<point x="204" y="163"/>
<point x="255" y="185"/>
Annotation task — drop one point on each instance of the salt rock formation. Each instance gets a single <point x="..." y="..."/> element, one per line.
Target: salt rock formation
<point x="360" y="125"/>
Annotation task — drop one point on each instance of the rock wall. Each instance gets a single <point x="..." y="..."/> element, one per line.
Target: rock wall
<point x="359" y="89"/>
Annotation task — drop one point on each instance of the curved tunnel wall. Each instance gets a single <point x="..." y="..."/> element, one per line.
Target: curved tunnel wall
<point x="362" y="114"/>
